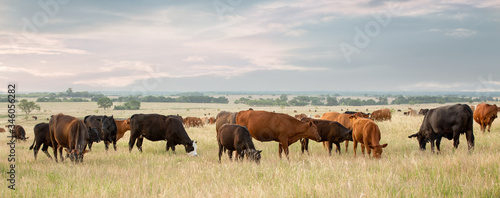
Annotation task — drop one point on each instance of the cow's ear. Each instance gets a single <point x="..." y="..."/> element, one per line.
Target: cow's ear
<point x="414" y="135"/>
<point x="371" y="147"/>
<point x="259" y="151"/>
<point x="352" y="117"/>
<point x="384" y="145"/>
<point x="310" y="123"/>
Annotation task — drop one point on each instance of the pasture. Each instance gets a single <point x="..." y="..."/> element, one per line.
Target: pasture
<point x="403" y="171"/>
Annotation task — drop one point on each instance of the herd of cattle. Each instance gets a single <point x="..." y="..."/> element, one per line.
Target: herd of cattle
<point x="235" y="130"/>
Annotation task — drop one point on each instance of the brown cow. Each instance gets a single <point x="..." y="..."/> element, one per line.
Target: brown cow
<point x="2" y="130"/>
<point x="122" y="126"/>
<point x="224" y="117"/>
<point x="412" y="112"/>
<point x="366" y="132"/>
<point x="211" y="120"/>
<point x="192" y="122"/>
<point x="300" y="116"/>
<point x="285" y="129"/>
<point x="19" y="132"/>
<point x="485" y="114"/>
<point x="381" y="115"/>
<point x="317" y="116"/>
<point x="71" y="133"/>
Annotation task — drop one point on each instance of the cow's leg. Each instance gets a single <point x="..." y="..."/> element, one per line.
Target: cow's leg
<point x="285" y="148"/>
<point x="304" y="145"/>
<point x="489" y="126"/>
<point x="55" y="151"/>
<point x="230" y="155"/>
<point x="131" y="143"/>
<point x="363" y="149"/>
<point x="280" y="150"/>
<point x="61" y="153"/>
<point x="114" y="144"/>
<point x="106" y="145"/>
<point x="325" y="145"/>
<point x="139" y="144"/>
<point x="456" y="139"/>
<point x="239" y="154"/>
<point x="330" y="146"/>
<point x="431" y="140"/>
<point x="368" y="150"/>
<point x="221" y="148"/>
<point x="346" y="145"/>
<point x="355" y="146"/>
<point x="35" y="149"/>
<point x="44" y="149"/>
<point x="470" y="139"/>
<point x="172" y="146"/>
<point x="338" y="147"/>
<point x="438" y="144"/>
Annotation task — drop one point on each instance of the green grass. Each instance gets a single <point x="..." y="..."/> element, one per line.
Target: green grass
<point x="403" y="171"/>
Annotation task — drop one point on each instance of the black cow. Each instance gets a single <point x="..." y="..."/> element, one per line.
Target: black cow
<point x="106" y="128"/>
<point x="446" y="121"/>
<point x="235" y="137"/>
<point x="329" y="131"/>
<point x="42" y="136"/>
<point x="157" y="127"/>
<point x="423" y="111"/>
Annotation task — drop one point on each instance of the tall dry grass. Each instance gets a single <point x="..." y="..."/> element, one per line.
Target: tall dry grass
<point x="403" y="171"/>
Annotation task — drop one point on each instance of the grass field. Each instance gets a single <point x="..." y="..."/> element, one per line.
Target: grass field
<point x="403" y="171"/>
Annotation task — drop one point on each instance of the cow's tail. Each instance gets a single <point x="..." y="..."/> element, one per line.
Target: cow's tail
<point x="32" y="145"/>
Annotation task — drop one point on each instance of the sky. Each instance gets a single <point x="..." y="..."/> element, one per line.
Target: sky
<point x="243" y="45"/>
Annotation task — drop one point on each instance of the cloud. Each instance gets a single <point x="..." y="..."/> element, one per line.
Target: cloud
<point x="14" y="43"/>
<point x="456" y="33"/>
<point x="433" y="86"/>
<point x="195" y="59"/>
<point x="295" y="33"/>
<point x="34" y="72"/>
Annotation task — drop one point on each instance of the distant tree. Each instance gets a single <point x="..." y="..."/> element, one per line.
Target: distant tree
<point x="104" y="102"/>
<point x="28" y="107"/>
<point x="69" y="92"/>
<point x="283" y="98"/>
<point x="331" y="101"/>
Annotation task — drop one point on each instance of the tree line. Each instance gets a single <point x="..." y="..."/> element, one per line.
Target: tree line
<point x="310" y="100"/>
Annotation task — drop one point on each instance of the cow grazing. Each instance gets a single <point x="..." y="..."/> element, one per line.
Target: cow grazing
<point x="42" y="136"/>
<point x="343" y="119"/>
<point x="423" y="112"/>
<point x="485" y="114"/>
<point x="106" y="128"/>
<point x="381" y="115"/>
<point x="157" y="127"/>
<point x="122" y="126"/>
<point x="330" y="132"/>
<point x="19" y="132"/>
<point x="366" y="132"/>
<point x="267" y="126"/>
<point x="71" y="133"/>
<point x="446" y="121"/>
<point x="224" y="117"/>
<point x="234" y="137"/>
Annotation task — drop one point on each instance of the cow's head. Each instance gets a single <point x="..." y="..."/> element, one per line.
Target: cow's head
<point x="312" y="131"/>
<point x="377" y="150"/>
<point x="109" y="128"/>
<point x="422" y="141"/>
<point x="252" y="155"/>
<point x="94" y="135"/>
<point x="75" y="155"/>
<point x="191" y="148"/>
